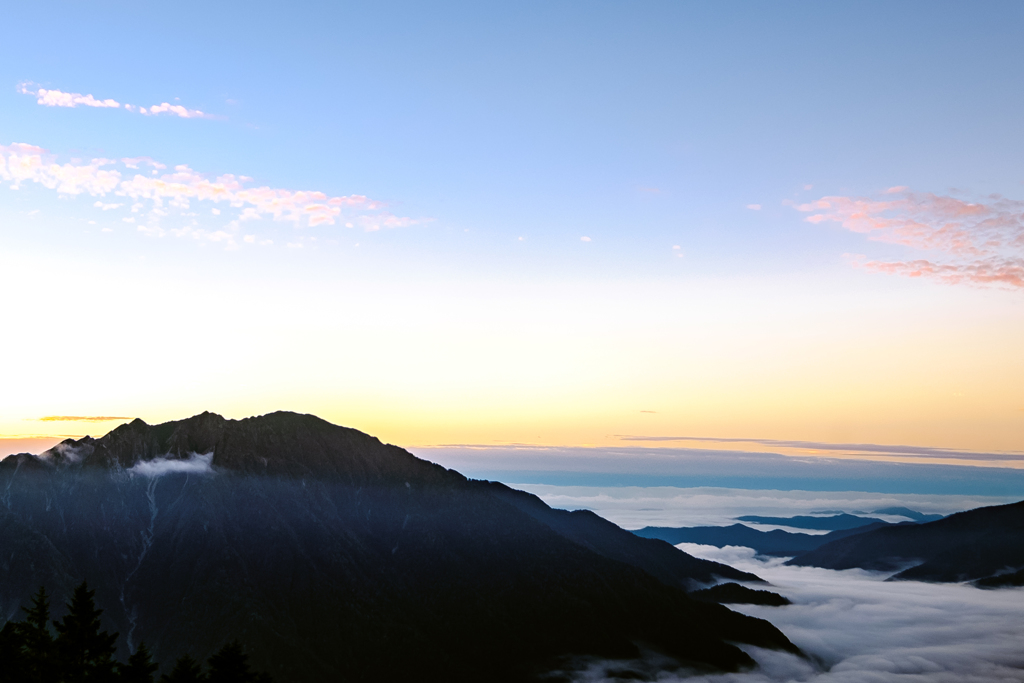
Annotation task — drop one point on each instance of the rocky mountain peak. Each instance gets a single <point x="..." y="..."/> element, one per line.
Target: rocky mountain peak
<point x="280" y="444"/>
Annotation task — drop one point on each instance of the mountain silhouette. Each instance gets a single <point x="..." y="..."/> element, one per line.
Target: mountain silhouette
<point x="838" y="522"/>
<point x="332" y="556"/>
<point x="775" y="542"/>
<point x="981" y="544"/>
<point x="908" y="513"/>
<point x="735" y="594"/>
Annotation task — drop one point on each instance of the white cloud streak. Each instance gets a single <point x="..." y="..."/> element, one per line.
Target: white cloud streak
<point x="58" y="98"/>
<point x="71" y="100"/>
<point x="194" y="464"/>
<point x="851" y="449"/>
<point x="166" y="108"/>
<point x="176" y="190"/>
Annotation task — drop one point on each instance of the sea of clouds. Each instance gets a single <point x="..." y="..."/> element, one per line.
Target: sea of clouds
<point x="633" y="507"/>
<point x="854" y="626"/>
<point x="858" y="628"/>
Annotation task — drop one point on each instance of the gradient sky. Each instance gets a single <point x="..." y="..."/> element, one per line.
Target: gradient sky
<point x="554" y="223"/>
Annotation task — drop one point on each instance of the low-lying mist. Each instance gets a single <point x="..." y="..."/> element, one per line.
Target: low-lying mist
<point x="633" y="507"/>
<point x="196" y="463"/>
<point x="858" y="628"/>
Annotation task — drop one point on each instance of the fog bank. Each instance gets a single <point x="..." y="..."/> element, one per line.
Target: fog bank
<point x="857" y="628"/>
<point x="633" y="507"/>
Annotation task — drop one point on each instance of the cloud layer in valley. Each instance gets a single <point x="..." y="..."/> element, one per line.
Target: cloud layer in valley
<point x="633" y="507"/>
<point x="856" y="627"/>
<point x="959" y="241"/>
<point x="148" y="201"/>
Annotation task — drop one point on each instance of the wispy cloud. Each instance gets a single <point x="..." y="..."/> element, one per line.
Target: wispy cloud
<point x="83" y="418"/>
<point x="59" y="98"/>
<point x="157" y="195"/>
<point x="166" y="108"/>
<point x="849" y="449"/>
<point x="960" y="242"/>
<point x="194" y="464"/>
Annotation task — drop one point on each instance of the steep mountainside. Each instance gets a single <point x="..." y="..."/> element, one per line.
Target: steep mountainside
<point x="335" y="557"/>
<point x="966" y="546"/>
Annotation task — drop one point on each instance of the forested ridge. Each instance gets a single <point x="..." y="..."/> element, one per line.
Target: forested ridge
<point x="74" y="649"/>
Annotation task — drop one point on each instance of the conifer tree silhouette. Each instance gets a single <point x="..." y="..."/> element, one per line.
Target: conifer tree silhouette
<point x="230" y="665"/>
<point x="186" y="670"/>
<point x="12" y="669"/>
<point x="85" y="654"/>
<point x="140" y="667"/>
<point x="81" y="653"/>
<point x="37" y="644"/>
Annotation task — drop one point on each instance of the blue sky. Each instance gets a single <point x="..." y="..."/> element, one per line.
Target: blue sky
<point x="570" y="221"/>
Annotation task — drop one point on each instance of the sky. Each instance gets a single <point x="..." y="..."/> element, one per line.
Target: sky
<point x="791" y="228"/>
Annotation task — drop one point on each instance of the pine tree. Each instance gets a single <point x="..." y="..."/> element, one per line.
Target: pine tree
<point x="186" y="670"/>
<point x="86" y="654"/>
<point x="38" y="646"/>
<point x="139" y="669"/>
<point x="230" y="665"/>
<point x="13" y="667"/>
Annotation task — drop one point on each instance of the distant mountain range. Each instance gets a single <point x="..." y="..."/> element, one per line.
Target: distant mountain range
<point x="332" y="556"/>
<point x="783" y="543"/>
<point x="838" y="522"/>
<point x="908" y="513"/>
<point x="775" y="542"/>
<point x="985" y="545"/>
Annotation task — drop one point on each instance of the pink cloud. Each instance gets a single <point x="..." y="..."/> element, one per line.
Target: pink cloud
<point x="963" y="242"/>
<point x="21" y="163"/>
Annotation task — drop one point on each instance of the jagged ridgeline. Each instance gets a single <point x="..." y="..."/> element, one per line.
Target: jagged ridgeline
<point x="332" y="556"/>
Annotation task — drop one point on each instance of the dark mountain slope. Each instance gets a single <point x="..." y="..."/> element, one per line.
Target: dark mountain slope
<point x="735" y="594"/>
<point x="335" y="557"/>
<point x="966" y="546"/>
<point x="775" y="542"/>
<point x="595" y="533"/>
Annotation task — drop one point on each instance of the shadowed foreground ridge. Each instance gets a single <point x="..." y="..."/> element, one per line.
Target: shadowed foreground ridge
<point x="332" y="556"/>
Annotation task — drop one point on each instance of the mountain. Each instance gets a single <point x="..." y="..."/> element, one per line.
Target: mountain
<point x="831" y="523"/>
<point x="735" y="594"/>
<point x="775" y="542"/>
<point x="1007" y="580"/>
<point x="908" y="513"/>
<point x="977" y="544"/>
<point x="332" y="556"/>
